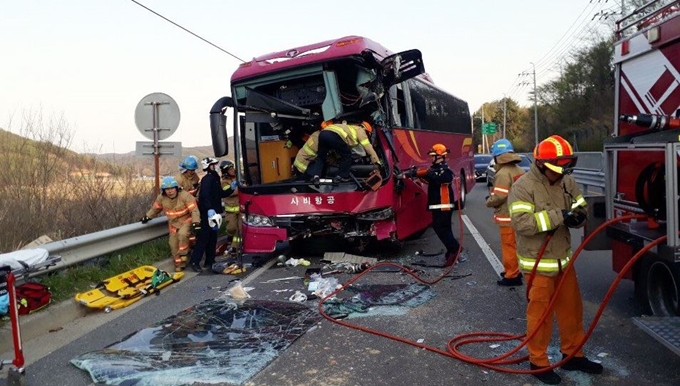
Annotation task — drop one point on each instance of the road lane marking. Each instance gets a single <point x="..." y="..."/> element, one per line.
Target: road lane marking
<point x="488" y="252"/>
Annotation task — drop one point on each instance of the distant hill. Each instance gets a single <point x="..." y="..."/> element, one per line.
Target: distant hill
<point x="144" y="165"/>
<point x="113" y="163"/>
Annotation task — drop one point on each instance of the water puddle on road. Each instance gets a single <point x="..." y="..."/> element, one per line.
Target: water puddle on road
<point x="217" y="341"/>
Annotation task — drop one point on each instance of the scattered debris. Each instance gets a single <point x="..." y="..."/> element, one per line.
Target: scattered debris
<point x="337" y="257"/>
<point x="495" y="346"/>
<point x="281" y="279"/>
<point x="298" y="297"/>
<point x="602" y="354"/>
<point x="421" y="340"/>
<point x="238" y="292"/>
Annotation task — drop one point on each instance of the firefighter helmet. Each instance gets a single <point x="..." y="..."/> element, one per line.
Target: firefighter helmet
<point x="438" y="150"/>
<point x="556" y="154"/>
<point x="189" y="163"/>
<point x="214" y="219"/>
<point x="207" y="161"/>
<point x="501" y="146"/>
<point x="169" y="182"/>
<point x="367" y="126"/>
<point x="226" y="165"/>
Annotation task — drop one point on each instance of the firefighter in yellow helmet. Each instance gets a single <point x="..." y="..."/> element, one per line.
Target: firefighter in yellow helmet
<point x="507" y="172"/>
<point x="440" y="200"/>
<point x="182" y="211"/>
<point x="342" y="137"/>
<point x="545" y="203"/>
<point x="231" y="205"/>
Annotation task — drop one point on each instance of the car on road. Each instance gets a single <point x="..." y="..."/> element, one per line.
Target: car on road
<point x="481" y="164"/>
<point x="525" y="164"/>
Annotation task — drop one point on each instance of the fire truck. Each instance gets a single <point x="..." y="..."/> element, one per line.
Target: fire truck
<point x="641" y="165"/>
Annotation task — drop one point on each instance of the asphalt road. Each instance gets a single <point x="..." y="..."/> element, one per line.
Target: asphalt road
<point x="335" y="355"/>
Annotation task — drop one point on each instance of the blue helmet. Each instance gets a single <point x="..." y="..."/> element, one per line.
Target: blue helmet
<point x="189" y="163"/>
<point x="501" y="146"/>
<point x="169" y="182"/>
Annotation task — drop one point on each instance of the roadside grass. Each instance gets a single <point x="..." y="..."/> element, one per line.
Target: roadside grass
<point x="64" y="284"/>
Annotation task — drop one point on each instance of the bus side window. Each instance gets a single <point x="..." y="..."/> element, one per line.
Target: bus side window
<point x="398" y="105"/>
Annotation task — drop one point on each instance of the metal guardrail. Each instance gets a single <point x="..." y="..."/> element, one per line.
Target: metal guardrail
<point x="591" y="181"/>
<point x="82" y="248"/>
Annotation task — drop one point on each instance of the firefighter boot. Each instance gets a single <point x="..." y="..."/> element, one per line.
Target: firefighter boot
<point x="582" y="364"/>
<point x="178" y="263"/>
<point x="507" y="282"/>
<point x="548" y="377"/>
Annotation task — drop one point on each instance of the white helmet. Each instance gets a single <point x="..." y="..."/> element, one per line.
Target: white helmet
<point x="207" y="161"/>
<point x="214" y="220"/>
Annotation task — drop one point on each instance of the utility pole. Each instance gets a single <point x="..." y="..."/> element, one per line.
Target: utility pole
<point x="505" y="105"/>
<point x="535" y="108"/>
<point x="482" y="130"/>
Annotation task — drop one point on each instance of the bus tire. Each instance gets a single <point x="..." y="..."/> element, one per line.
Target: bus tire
<point x="657" y="286"/>
<point x="462" y="194"/>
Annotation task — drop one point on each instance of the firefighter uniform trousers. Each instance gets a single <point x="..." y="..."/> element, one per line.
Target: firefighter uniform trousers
<point x="568" y="309"/>
<point x="180" y="241"/>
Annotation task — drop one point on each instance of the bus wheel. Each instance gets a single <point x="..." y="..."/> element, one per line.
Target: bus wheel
<point x="659" y="283"/>
<point x="462" y="194"/>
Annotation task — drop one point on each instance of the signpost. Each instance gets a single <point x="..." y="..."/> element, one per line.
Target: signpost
<point x="157" y="117"/>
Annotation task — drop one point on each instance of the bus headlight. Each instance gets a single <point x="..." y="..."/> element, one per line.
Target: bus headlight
<point x="377" y="215"/>
<point x="256" y="220"/>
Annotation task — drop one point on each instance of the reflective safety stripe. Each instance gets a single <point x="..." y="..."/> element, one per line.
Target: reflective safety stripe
<point x="545" y="265"/>
<point x="521" y="207"/>
<point x="441" y="206"/>
<point x="232" y="209"/>
<point x="500" y="190"/>
<point x="300" y="165"/>
<point x="542" y="221"/>
<point x="338" y="130"/>
<point x="580" y="201"/>
<point x="308" y="150"/>
<point x="365" y="142"/>
<point x="502" y="219"/>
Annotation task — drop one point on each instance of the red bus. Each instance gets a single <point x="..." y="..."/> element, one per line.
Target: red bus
<point x="285" y="95"/>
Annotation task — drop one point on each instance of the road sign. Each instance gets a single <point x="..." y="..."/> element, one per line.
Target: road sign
<point x="157" y="112"/>
<point x="489" y="128"/>
<point x="144" y="148"/>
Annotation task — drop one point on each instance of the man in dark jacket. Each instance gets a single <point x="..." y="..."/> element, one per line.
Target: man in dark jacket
<point x="210" y="196"/>
<point x="439" y="200"/>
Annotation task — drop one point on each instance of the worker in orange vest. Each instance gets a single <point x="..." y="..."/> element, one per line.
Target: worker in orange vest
<point x="544" y="203"/>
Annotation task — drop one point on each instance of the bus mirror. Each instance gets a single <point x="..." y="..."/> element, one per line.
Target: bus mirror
<point x="402" y="66"/>
<point x="218" y="126"/>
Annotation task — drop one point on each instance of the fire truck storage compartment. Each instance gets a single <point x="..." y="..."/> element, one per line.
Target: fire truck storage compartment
<point x="276" y="161"/>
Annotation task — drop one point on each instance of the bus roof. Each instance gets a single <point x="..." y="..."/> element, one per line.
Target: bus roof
<point x="312" y="53"/>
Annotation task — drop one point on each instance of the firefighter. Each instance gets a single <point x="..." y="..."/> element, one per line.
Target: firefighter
<point x="544" y="204"/>
<point x="507" y="172"/>
<point x="187" y="177"/>
<point x="439" y="194"/>
<point x="210" y="195"/>
<point x="305" y="160"/>
<point x="343" y="138"/>
<point x="231" y="205"/>
<point x="182" y="211"/>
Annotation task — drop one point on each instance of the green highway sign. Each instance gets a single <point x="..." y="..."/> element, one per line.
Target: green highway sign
<point x="489" y="128"/>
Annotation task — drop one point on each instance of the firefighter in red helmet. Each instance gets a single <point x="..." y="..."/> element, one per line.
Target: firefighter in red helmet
<point x="440" y="199"/>
<point x="546" y="202"/>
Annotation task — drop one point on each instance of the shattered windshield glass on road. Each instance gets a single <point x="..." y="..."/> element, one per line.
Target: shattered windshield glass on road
<point x="217" y="341"/>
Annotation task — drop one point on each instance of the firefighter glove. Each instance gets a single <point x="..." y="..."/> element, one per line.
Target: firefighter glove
<point x="573" y="219"/>
<point x="145" y="219"/>
<point x="196" y="226"/>
<point x="234" y="185"/>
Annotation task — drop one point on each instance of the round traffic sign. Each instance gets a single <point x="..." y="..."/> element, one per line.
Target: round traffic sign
<point x="157" y="111"/>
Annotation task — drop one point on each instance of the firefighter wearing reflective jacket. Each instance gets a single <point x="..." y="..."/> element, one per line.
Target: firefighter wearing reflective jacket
<point x="342" y="138"/>
<point x="544" y="204"/>
<point x="440" y="199"/>
<point x="182" y="211"/>
<point x="507" y="172"/>
<point x="231" y="204"/>
<point x="306" y="156"/>
<point x="187" y="177"/>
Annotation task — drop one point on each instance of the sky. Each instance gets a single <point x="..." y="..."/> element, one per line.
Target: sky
<point x="91" y="61"/>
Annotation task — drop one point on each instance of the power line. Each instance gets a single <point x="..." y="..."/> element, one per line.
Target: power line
<point x="177" y="25"/>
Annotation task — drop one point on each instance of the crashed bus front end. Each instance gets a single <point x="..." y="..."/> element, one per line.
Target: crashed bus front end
<point x="279" y="100"/>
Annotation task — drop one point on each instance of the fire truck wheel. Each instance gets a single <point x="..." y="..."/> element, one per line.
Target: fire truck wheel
<point x="658" y="286"/>
<point x="462" y="194"/>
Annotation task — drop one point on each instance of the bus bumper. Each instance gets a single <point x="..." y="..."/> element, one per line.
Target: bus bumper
<point x="262" y="239"/>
